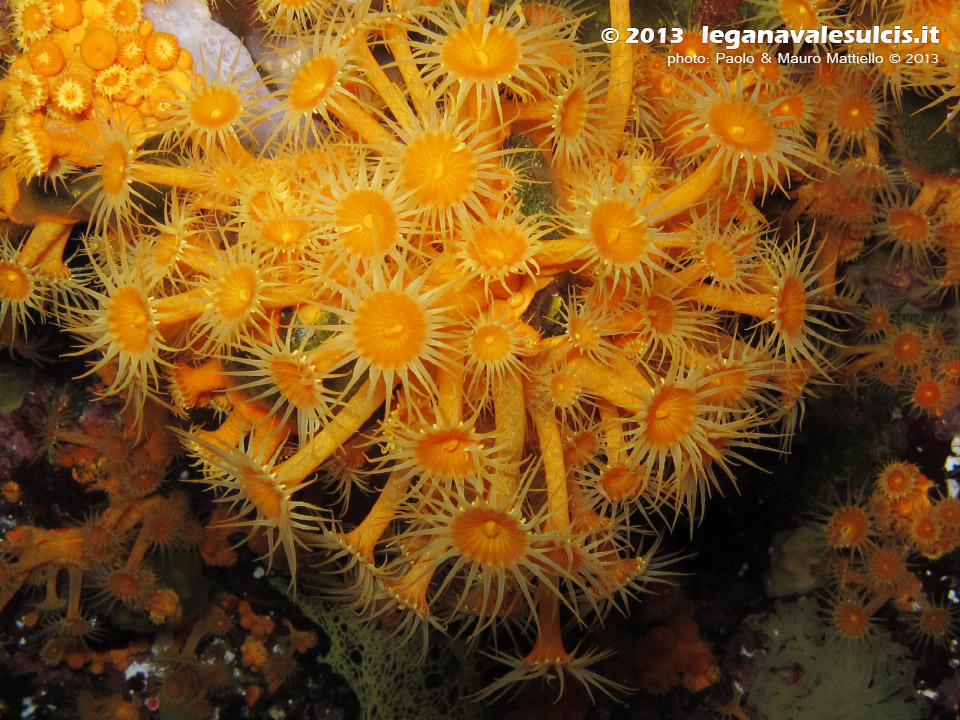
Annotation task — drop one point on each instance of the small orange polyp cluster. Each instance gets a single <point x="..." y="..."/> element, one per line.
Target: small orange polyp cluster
<point x="354" y="282"/>
<point x="920" y="361"/>
<point x="872" y="548"/>
<point x="108" y="560"/>
<point x="95" y="58"/>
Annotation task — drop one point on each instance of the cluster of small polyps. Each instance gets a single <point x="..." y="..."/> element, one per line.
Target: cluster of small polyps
<point x="360" y="295"/>
<point x="868" y="542"/>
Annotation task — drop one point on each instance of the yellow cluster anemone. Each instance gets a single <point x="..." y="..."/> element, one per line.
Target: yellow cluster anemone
<point x="516" y="303"/>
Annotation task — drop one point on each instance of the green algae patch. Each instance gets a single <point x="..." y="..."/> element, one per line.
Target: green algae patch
<point x="807" y="673"/>
<point x="393" y="681"/>
<point x="14" y="385"/>
<point x="923" y="140"/>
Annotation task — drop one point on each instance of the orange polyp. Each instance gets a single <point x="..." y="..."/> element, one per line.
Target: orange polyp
<point x="66" y="14"/>
<point x="897" y="480"/>
<point x="660" y="313"/>
<point x="877" y="320"/>
<point x="927" y="394"/>
<point x="439" y="169"/>
<point x="885" y="567"/>
<point x="115" y="170"/>
<point x="549" y="645"/>
<point x="491" y="343"/>
<point x="366" y="223"/>
<point x="851" y="620"/>
<point x="313" y="83"/>
<point x="855" y="113"/>
<point x="448" y="452"/>
<point x="182" y="177"/>
<point x="71" y="93"/>
<point x="791" y="106"/>
<point x="768" y="71"/>
<point x="99" y="48"/>
<point x="692" y="46"/>
<point x="143" y="80"/>
<point x="214" y="107"/>
<point x="620" y="483"/>
<point x="489" y="536"/>
<point x="799" y="14"/>
<point x="948" y="510"/>
<point x="741" y="126"/>
<point x="848" y="527"/>
<point x="15" y="284"/>
<point x="564" y="389"/>
<point x="925" y="528"/>
<point x="46" y="57"/>
<point x="112" y="83"/>
<point x="573" y="113"/>
<point x="123" y="15"/>
<point x="935" y="622"/>
<point x="791" y="307"/>
<point x="126" y="586"/>
<point x="130" y="321"/>
<point x="285" y="234"/>
<point x="162" y="50"/>
<point x="680" y="133"/>
<point x="389" y="329"/>
<point x="909" y="225"/>
<point x="236" y="292"/>
<point x="720" y="260"/>
<point x="384" y="87"/>
<point x="297" y="380"/>
<point x="669" y="416"/>
<point x="413" y="587"/>
<point x="584" y="333"/>
<point x="618" y="232"/>
<point x="481" y="52"/>
<point x="497" y="250"/>
<point x="263" y="491"/>
<point x="132" y="50"/>
<point x="907" y="348"/>
<point x="34" y="18"/>
<point x="26" y="90"/>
